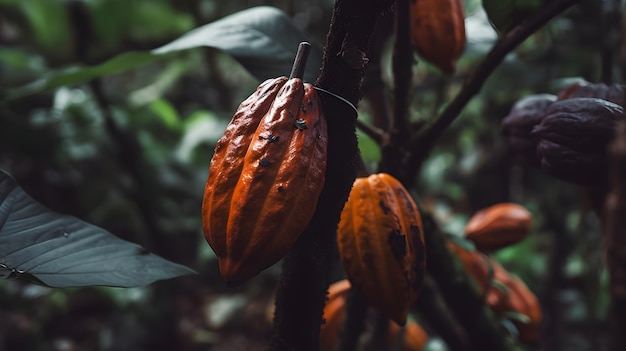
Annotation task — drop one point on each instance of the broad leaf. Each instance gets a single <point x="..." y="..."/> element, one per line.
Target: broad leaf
<point x="61" y="251"/>
<point x="263" y="39"/>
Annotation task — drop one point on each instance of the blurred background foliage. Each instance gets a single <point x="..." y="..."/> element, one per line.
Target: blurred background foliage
<point x="129" y="152"/>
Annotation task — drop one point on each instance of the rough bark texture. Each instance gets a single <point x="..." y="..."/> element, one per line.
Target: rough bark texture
<point x="302" y="290"/>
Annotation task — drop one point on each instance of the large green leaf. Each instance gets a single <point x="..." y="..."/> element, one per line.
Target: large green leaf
<point x="263" y="39"/>
<point x="61" y="251"/>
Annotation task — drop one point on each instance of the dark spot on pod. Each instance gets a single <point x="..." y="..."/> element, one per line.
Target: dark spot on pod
<point x="280" y="189"/>
<point x="319" y="136"/>
<point x="303" y="108"/>
<point x="407" y="201"/>
<point x="264" y="162"/>
<point x="273" y="138"/>
<point x="397" y="242"/>
<point x="290" y="114"/>
<point x="300" y="124"/>
<point x="384" y="207"/>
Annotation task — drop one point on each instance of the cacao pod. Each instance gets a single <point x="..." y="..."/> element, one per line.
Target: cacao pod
<point x="415" y="337"/>
<point x="438" y="31"/>
<point x="574" y="137"/>
<point x="474" y="263"/>
<point x="524" y="116"/>
<point x="521" y="300"/>
<point x="498" y="226"/>
<point x="503" y="292"/>
<point x="334" y="313"/>
<point x="265" y="177"/>
<point x="381" y="244"/>
<point x="613" y="93"/>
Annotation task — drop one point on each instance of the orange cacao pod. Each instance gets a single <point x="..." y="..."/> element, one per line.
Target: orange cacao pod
<point x="334" y="313"/>
<point x="474" y="263"/>
<point x="381" y="244"/>
<point x="498" y="226"/>
<point x="438" y="31"/>
<point x="415" y="337"/>
<point x="265" y="177"/>
<point x="521" y="300"/>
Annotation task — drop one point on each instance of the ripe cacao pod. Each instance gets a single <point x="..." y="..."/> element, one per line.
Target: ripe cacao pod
<point x="474" y="263"/>
<point x="524" y="116"/>
<point x="573" y="139"/>
<point x="498" y="226"/>
<point x="265" y="177"/>
<point x="415" y="337"/>
<point x="334" y="314"/>
<point x="381" y="244"/>
<point x="503" y="292"/>
<point x="613" y="93"/>
<point x="438" y="31"/>
<point x="521" y="300"/>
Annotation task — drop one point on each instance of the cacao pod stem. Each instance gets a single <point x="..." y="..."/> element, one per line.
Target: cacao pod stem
<point x="299" y="63"/>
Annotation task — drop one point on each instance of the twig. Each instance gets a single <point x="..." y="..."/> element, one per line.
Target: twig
<point x="402" y="65"/>
<point x="437" y="314"/>
<point x="377" y="134"/>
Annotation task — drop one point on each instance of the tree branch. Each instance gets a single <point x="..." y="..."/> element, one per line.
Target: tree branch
<point x="302" y="289"/>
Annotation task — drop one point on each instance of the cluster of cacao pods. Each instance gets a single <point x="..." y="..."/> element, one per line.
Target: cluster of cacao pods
<point x="265" y="177"/>
<point x="498" y="226"/>
<point x="414" y="338"/>
<point x="570" y="133"/>
<point x="438" y="31"/>
<point x="505" y="294"/>
<point x="381" y="244"/>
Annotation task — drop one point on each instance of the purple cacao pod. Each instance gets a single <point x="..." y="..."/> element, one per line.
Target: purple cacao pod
<point x="613" y="93"/>
<point x="518" y="124"/>
<point x="573" y="139"/>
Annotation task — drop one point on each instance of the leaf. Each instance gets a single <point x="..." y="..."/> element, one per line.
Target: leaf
<point x="61" y="251"/>
<point x="263" y="39"/>
<point x="506" y="14"/>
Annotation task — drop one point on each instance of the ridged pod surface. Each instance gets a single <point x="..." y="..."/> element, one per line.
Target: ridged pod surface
<point x="265" y="177"/>
<point x="381" y="244"/>
<point x="438" y="31"/>
<point x="498" y="226"/>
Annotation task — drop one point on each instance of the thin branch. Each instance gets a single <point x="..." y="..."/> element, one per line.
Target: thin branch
<point x="433" y="130"/>
<point x="438" y="316"/>
<point x="377" y="134"/>
<point x="402" y="65"/>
